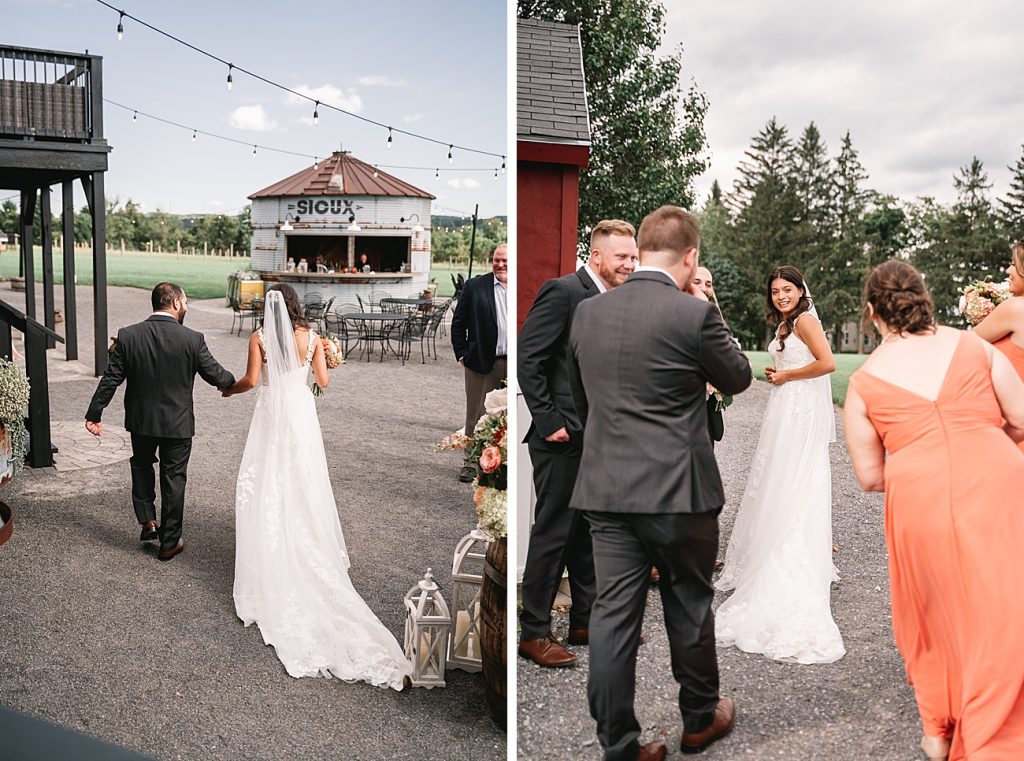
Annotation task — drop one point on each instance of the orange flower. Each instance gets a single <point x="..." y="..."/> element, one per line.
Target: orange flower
<point x="478" y="494"/>
<point x="499" y="435"/>
<point x="490" y="459"/>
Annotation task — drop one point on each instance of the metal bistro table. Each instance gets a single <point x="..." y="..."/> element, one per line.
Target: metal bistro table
<point x="411" y="305"/>
<point x="374" y="327"/>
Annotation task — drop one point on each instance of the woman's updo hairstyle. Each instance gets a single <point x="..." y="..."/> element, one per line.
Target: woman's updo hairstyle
<point x="897" y="293"/>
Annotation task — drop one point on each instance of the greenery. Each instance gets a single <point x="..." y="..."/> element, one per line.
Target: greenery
<point x="14" y="394"/>
<point x="846" y="365"/>
<point x="202" y="277"/>
<point x="794" y="204"/>
<point x="647" y="128"/>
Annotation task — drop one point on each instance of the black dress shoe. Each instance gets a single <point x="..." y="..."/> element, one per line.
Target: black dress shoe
<point x="168" y="554"/>
<point x="467" y="473"/>
<point x="149" y="531"/>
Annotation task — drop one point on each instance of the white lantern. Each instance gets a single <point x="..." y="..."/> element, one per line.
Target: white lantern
<point x="467" y="578"/>
<point x="427" y="627"/>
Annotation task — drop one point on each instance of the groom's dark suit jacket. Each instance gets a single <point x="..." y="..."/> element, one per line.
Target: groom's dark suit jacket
<point x="644" y="353"/>
<point x="160" y="359"/>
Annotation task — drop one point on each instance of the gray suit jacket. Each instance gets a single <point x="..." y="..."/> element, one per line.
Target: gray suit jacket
<point x="644" y="352"/>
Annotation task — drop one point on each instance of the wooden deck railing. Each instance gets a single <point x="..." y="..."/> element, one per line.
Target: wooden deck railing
<point x="48" y="94"/>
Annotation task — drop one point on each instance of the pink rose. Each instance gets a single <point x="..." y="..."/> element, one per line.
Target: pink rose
<point x="490" y="459"/>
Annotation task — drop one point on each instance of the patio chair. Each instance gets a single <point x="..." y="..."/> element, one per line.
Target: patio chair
<point x="376" y="296"/>
<point x="415" y="330"/>
<point x="312" y="297"/>
<point x="239" y="313"/>
<point x="436" y="323"/>
<point x="335" y="325"/>
<point x="441" y="305"/>
<point x="314" y="312"/>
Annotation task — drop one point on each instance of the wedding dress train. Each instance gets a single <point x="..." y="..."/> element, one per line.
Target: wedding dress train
<point x="291" y="562"/>
<point x="779" y="558"/>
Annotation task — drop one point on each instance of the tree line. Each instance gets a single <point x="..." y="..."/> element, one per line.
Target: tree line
<point x="794" y="203"/>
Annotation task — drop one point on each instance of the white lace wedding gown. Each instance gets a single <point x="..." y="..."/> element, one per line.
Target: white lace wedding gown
<point x="779" y="559"/>
<point x="291" y="563"/>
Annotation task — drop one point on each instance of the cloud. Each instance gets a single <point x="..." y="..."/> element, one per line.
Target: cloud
<point x="412" y="118"/>
<point x="335" y="96"/>
<point x="380" y="80"/>
<point x="252" y="118"/>
<point x="462" y="183"/>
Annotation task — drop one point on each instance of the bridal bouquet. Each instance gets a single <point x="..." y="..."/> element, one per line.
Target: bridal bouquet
<point x="14" y="392"/>
<point x="980" y="298"/>
<point x="332" y="355"/>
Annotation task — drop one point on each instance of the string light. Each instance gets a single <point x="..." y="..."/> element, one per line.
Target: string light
<point x="450" y="159"/>
<point x="120" y="27"/>
<point x="194" y="138"/>
<point x="437" y="174"/>
<point x="316" y="162"/>
<point x="316" y="114"/>
<point x="280" y="86"/>
<point x="374" y="170"/>
<point x="254" y="151"/>
<point x="503" y="165"/>
<point x="135" y="116"/>
<point x="495" y="174"/>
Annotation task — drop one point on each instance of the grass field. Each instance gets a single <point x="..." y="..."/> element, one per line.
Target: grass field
<point x="846" y="364"/>
<point x="202" y="277"/>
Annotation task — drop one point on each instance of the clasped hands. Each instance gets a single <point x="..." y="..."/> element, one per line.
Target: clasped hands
<point x="776" y="377"/>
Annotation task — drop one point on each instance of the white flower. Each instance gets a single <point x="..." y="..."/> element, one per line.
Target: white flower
<point x="496" y="401"/>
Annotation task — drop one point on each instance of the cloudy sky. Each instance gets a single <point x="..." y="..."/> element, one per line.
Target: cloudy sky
<point x="434" y="68"/>
<point x="923" y="86"/>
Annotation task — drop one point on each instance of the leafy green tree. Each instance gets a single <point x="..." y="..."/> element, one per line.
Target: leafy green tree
<point x="1011" y="208"/>
<point x="647" y="128"/>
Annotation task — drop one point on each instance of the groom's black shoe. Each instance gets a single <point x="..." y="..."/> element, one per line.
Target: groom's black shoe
<point x="148" y="531"/>
<point x="653" y="751"/>
<point x="725" y="717"/>
<point x="168" y="554"/>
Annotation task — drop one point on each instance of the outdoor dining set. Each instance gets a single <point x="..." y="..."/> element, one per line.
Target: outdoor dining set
<point x="379" y="323"/>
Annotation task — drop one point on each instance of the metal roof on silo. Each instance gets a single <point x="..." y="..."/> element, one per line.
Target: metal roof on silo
<point x="342" y="175"/>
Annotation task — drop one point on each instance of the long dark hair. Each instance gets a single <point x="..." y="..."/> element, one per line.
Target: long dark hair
<point x="292" y="304"/>
<point x="775" y="317"/>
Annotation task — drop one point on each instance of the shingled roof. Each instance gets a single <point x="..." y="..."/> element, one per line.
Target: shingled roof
<point x="341" y="175"/>
<point x="552" y="93"/>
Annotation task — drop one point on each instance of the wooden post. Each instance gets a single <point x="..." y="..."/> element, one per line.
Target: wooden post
<point x="70" y="301"/>
<point x="39" y="455"/>
<point x="28" y="213"/>
<point x="351" y="253"/>
<point x="47" y="228"/>
<point x="99" y="271"/>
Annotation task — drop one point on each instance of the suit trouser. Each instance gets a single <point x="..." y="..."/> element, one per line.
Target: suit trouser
<point x="560" y="538"/>
<point x="477" y="386"/>
<point x="683" y="546"/>
<point x="174" y="455"/>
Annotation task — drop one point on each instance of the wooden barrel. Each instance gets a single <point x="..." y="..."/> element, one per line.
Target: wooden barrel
<point x="8" y="527"/>
<point x="493" y="594"/>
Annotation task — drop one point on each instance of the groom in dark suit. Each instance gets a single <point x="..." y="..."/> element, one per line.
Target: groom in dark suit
<point x="648" y="482"/>
<point x="560" y="537"/>
<point x="159" y="358"/>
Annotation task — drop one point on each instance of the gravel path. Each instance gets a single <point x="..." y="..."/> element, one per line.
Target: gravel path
<point x="98" y="636"/>
<point x="857" y="708"/>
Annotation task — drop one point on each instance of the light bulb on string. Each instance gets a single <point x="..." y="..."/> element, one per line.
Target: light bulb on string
<point x="120" y="27"/>
<point x="254" y="151"/>
<point x="495" y="174"/>
<point x="389" y="138"/>
<point x="230" y="80"/>
<point x="374" y="170"/>
<point x="316" y="162"/>
<point x="437" y="174"/>
<point x="316" y="114"/>
<point x="194" y="138"/>
<point x="503" y="165"/>
<point x="135" y="116"/>
<point x="450" y="159"/>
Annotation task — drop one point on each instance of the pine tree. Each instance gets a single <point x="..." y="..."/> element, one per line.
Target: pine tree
<point x="1011" y="208"/>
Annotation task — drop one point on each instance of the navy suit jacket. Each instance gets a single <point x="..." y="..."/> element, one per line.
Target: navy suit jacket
<point x="475" y="325"/>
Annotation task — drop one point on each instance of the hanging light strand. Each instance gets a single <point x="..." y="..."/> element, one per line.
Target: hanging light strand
<point x="196" y="132"/>
<point x="296" y="93"/>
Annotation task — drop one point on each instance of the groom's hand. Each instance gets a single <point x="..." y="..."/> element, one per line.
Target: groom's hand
<point x="561" y="436"/>
<point x="96" y="429"/>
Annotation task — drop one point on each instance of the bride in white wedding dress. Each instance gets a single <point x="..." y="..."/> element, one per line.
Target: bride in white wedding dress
<point x="779" y="558"/>
<point x="291" y="563"/>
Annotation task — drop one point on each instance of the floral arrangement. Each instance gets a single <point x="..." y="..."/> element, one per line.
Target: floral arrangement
<point x="246" y="275"/>
<point x="980" y="298"/>
<point x="492" y="511"/>
<point x="14" y="393"/>
<point x="332" y="355"/>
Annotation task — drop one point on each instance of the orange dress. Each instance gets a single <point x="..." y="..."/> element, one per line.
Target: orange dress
<point x="954" y="528"/>
<point x="1016" y="356"/>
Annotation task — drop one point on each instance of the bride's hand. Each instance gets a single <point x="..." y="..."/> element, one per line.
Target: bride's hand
<point x="778" y="377"/>
<point x="768" y="373"/>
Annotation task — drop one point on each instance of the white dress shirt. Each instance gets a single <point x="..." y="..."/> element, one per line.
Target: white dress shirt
<point x="597" y="281"/>
<point x="501" y="310"/>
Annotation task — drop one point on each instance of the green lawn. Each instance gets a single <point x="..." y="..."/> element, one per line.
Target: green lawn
<point x="846" y="364"/>
<point x="202" y="277"/>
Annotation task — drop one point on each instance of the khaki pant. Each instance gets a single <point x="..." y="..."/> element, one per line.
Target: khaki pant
<point x="477" y="387"/>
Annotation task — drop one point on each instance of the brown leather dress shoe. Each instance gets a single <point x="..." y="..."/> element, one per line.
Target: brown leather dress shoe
<point x="653" y="751"/>
<point x="168" y="554"/>
<point x="546" y="652"/>
<point x="725" y="717"/>
<point x="148" y="531"/>
<point x="582" y="637"/>
<point x="655" y="576"/>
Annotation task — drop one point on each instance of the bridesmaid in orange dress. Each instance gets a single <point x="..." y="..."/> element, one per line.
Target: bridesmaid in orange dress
<point x="931" y="420"/>
<point x="1004" y="328"/>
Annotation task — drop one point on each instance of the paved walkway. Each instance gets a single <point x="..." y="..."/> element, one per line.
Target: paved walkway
<point x="857" y="708"/>
<point x="99" y="637"/>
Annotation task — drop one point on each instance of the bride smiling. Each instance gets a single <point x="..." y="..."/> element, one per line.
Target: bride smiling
<point x="779" y="559"/>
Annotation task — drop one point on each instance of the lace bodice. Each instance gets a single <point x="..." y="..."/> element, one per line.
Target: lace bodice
<point x="796" y="354"/>
<point x="301" y="371"/>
